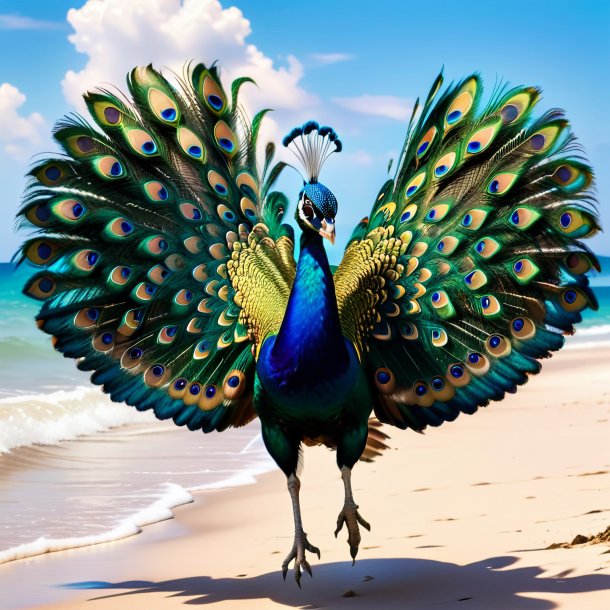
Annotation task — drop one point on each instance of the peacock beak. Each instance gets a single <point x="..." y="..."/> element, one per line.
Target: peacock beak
<point x="328" y="230"/>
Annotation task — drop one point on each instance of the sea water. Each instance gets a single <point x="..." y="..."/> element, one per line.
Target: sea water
<point x="77" y="469"/>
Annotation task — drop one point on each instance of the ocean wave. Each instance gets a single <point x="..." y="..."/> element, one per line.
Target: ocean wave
<point x="46" y="419"/>
<point x="159" y="510"/>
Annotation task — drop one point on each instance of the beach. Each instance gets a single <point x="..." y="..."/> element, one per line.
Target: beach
<point x="461" y="518"/>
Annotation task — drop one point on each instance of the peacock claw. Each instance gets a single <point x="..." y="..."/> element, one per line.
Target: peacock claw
<point x="351" y="518"/>
<point x="301" y="544"/>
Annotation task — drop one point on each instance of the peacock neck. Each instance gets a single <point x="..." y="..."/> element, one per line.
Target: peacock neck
<point x="310" y="335"/>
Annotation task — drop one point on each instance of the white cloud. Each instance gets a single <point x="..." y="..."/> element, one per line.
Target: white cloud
<point x="379" y="105"/>
<point x="117" y="35"/>
<point x="19" y="135"/>
<point x="330" y="58"/>
<point x="18" y="22"/>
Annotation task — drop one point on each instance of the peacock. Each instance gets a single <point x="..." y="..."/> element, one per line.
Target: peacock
<point x="166" y="269"/>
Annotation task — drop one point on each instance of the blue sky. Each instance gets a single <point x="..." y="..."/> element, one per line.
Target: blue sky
<point x="356" y="65"/>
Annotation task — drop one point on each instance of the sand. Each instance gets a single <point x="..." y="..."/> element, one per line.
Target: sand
<point x="461" y="518"/>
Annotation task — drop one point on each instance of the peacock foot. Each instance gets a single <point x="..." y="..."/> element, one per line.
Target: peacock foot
<point x="301" y="544"/>
<point x="351" y="518"/>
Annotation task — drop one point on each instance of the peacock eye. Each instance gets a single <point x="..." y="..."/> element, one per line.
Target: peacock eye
<point x="308" y="210"/>
<point x="330" y="221"/>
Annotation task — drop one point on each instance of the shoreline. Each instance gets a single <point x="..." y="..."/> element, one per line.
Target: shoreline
<point x="460" y="518"/>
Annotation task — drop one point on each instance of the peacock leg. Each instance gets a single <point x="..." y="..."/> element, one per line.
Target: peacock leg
<point x="350" y="516"/>
<point x="301" y="544"/>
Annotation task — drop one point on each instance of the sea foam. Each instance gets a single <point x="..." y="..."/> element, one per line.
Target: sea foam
<point x="46" y="419"/>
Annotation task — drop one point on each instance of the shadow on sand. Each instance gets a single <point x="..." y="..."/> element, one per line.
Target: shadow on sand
<point x="378" y="583"/>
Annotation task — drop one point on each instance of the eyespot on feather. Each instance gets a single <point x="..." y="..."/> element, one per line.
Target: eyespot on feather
<point x="87" y="318"/>
<point x="544" y="138"/>
<point x="109" y="167"/>
<point x="156" y="245"/>
<point x="409" y="331"/>
<point x="475" y="279"/>
<point x="490" y="306"/>
<point x="156" y="375"/>
<point x="461" y="104"/>
<point x="193" y="244"/>
<point x="202" y="350"/>
<point x="247" y="184"/>
<point x="458" y="375"/>
<point x="439" y="337"/>
<point x="191" y="144"/>
<point x="384" y="380"/>
<point x="218" y="183"/>
<point x="577" y="263"/>
<point x="158" y="274"/>
<point x="143" y="292"/>
<point x="415" y="184"/>
<point x="572" y="299"/>
<point x="437" y="212"/>
<point x="192" y="394"/>
<point x="52" y="173"/>
<point x="141" y="142"/>
<point x="41" y="287"/>
<point x="424" y="145"/>
<point x="199" y="273"/>
<point x="177" y="388"/>
<point x="213" y="95"/>
<point x="473" y="220"/>
<point x="131" y="358"/>
<point x="226" y="215"/>
<point x="523" y="218"/>
<point x="447" y="245"/>
<point x="130" y="322"/>
<point x="210" y="398"/>
<point x="445" y="164"/>
<point x="477" y="363"/>
<point x="498" y="346"/>
<point x="107" y="113"/>
<point x="572" y="177"/>
<point x="408" y="213"/>
<point x="480" y="140"/>
<point x="84" y="261"/>
<point x="183" y="297"/>
<point x="524" y="270"/>
<point x="522" y="328"/>
<point x="218" y="251"/>
<point x="486" y="247"/>
<point x="42" y="252"/>
<point x="118" y="228"/>
<point x="103" y="342"/>
<point x="514" y="107"/>
<point x="501" y="183"/>
<point x="191" y="212"/>
<point x="162" y="106"/>
<point x="167" y="335"/>
<point x="156" y="191"/>
<point x="225" y="138"/>
<point x="234" y="384"/>
<point x="82" y="145"/>
<point x="120" y="275"/>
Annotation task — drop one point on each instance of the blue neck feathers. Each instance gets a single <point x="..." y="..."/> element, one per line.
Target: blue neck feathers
<point x="310" y="337"/>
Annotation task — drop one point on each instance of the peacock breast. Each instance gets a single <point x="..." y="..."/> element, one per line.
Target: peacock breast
<point x="313" y="383"/>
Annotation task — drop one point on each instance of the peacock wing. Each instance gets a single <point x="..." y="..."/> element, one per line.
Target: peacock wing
<point x="137" y="226"/>
<point x="470" y="268"/>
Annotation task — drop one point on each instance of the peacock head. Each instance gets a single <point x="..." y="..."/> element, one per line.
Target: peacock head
<point x="317" y="206"/>
<point x="316" y="210"/>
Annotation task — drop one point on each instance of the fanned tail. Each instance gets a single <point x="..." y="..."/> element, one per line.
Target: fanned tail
<point x="476" y="241"/>
<point x="137" y="224"/>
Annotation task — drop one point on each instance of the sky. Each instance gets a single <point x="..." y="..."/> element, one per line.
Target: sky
<point x="357" y="66"/>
